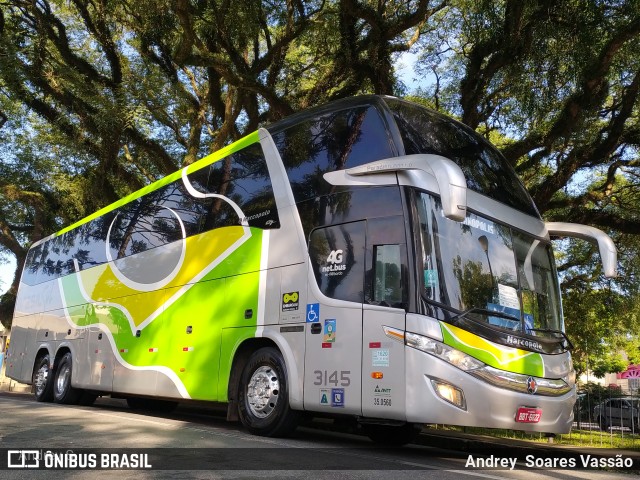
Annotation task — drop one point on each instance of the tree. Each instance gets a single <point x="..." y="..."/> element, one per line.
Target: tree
<point x="129" y="91"/>
<point x="556" y="84"/>
<point x="562" y="79"/>
<point x="98" y="98"/>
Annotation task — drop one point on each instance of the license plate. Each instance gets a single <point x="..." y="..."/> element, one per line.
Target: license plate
<point x="528" y="415"/>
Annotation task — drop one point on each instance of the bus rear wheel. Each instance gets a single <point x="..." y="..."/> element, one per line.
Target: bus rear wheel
<point x="263" y="399"/>
<point x="63" y="392"/>
<point x="42" y="380"/>
<point x="392" y="435"/>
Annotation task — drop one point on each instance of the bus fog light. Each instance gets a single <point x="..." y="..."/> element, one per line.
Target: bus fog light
<point x="449" y="393"/>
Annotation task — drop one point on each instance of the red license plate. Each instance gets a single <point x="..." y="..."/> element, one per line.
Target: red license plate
<point x="528" y="415"/>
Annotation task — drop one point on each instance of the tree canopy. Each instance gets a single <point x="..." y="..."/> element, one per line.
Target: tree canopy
<point x="98" y="98"/>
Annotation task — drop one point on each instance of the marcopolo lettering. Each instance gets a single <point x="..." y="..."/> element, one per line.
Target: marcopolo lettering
<point x="523" y="342"/>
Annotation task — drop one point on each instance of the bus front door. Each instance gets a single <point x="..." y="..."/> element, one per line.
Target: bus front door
<point x="333" y="333"/>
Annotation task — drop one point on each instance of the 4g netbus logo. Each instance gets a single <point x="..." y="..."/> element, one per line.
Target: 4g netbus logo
<point x="335" y="260"/>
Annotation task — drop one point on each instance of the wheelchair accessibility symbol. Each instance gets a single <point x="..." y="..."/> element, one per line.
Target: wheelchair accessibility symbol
<point x="313" y="312"/>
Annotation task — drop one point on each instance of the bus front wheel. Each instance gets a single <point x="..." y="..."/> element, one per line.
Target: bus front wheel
<point x="263" y="399"/>
<point x="63" y="392"/>
<point x="43" y="379"/>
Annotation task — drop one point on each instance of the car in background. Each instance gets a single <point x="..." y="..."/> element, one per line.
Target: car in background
<point x="618" y="412"/>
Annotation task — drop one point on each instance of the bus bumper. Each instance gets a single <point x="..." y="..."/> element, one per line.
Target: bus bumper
<point x="485" y="405"/>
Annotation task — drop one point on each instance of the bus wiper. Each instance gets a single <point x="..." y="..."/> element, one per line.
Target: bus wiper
<point x="486" y="311"/>
<point x="557" y="332"/>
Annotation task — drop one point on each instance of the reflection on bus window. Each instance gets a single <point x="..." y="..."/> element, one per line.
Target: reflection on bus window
<point x="337" y="257"/>
<point x="480" y="264"/>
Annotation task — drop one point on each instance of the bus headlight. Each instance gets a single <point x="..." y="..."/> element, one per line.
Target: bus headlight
<point x="518" y="382"/>
<point x="444" y="352"/>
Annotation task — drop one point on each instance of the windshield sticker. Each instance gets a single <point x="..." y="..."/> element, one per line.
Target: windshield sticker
<point x="430" y="278"/>
<point x="508" y="297"/>
<point x="474" y="222"/>
<point x="479" y="224"/>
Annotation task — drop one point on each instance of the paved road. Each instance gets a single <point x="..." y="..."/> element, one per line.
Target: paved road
<point x="204" y="442"/>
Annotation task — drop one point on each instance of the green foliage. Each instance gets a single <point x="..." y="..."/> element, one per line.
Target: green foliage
<point x="556" y="86"/>
<point x="99" y="98"/>
<point x="604" y="327"/>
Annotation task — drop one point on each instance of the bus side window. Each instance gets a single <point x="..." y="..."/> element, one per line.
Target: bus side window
<point x="244" y="178"/>
<point x="30" y="272"/>
<point x="337" y="258"/>
<point x="333" y="141"/>
<point x="387" y="279"/>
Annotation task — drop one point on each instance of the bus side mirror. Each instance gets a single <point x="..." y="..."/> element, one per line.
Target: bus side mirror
<point x="452" y="184"/>
<point x="608" y="251"/>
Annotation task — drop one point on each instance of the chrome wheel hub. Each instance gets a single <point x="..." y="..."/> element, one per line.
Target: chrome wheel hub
<point x="41" y="378"/>
<point x="262" y="391"/>
<point x="62" y="379"/>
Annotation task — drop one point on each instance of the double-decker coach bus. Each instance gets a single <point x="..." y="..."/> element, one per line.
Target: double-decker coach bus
<point x="369" y="258"/>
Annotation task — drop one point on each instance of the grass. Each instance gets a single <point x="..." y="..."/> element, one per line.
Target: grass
<point x="620" y="439"/>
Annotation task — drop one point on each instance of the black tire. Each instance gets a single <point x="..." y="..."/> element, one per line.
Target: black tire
<point x="137" y="403"/>
<point x="42" y="379"/>
<point x="392" y="435"/>
<point x="263" y="396"/>
<point x="63" y="392"/>
<point x="87" y="398"/>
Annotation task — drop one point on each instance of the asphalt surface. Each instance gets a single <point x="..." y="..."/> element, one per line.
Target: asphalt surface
<point x="447" y="444"/>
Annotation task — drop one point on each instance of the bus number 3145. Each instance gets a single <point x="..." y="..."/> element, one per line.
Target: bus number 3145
<point x="324" y="377"/>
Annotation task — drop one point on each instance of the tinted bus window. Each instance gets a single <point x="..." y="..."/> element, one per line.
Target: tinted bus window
<point x="486" y="170"/>
<point x="243" y="177"/>
<point x="159" y="217"/>
<point x="141" y="226"/>
<point x="337" y="257"/>
<point x="334" y="141"/>
<point x="90" y="241"/>
<point x="30" y="272"/>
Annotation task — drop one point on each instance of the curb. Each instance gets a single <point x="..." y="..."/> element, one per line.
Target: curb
<point x="8" y="385"/>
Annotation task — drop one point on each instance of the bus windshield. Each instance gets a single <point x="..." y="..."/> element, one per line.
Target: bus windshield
<point x="480" y="266"/>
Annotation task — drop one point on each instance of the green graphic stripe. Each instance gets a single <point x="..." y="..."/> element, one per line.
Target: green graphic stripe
<point x="214" y="308"/>
<point x="204" y="162"/>
<point x="502" y="358"/>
